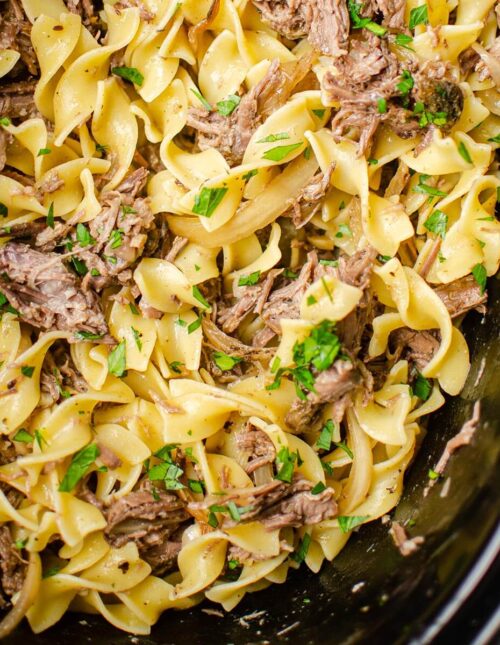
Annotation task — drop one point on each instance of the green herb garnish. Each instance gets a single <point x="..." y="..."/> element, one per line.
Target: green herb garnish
<point x="131" y="74"/>
<point x="207" y="201"/>
<point x="437" y="223"/>
<point x="79" y="466"/>
<point x="225" y="362"/>
<point x="249" y="280"/>
<point x="117" y="360"/>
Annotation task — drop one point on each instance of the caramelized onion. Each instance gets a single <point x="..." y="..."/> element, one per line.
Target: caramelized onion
<point x="490" y="61"/>
<point x="254" y="214"/>
<point x="26" y="597"/>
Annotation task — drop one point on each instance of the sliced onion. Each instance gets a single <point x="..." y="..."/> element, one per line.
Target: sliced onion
<point x="274" y="200"/>
<point x="263" y="474"/>
<point x="26" y="597"/>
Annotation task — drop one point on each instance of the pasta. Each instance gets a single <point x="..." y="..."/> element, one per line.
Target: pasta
<point x="238" y="238"/>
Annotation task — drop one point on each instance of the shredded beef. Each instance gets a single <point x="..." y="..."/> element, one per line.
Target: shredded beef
<point x="218" y="340"/>
<point x="248" y="298"/>
<point x="12" y="566"/>
<point x="415" y="346"/>
<point x="17" y="100"/>
<point x="393" y="11"/>
<point x="231" y="134"/>
<point x="277" y="504"/>
<point x="308" y="201"/>
<point x="149" y="521"/>
<point x="46" y="293"/>
<point x="257" y="447"/>
<point x="15" y="33"/>
<point x="462" y="295"/>
<point x="405" y="545"/>
<point x="324" y="22"/>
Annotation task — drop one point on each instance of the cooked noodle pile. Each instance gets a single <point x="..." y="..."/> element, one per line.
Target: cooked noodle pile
<point x="238" y="238"/>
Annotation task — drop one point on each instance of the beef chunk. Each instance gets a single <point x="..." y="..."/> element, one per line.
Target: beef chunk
<point x="393" y="11"/>
<point x="356" y="269"/>
<point x="12" y="566"/>
<point x="149" y="518"/>
<point x="46" y="293"/>
<point x="462" y="295"/>
<point x="256" y="446"/>
<point x="324" y="22"/>
<point x="277" y="504"/>
<point x="231" y="134"/>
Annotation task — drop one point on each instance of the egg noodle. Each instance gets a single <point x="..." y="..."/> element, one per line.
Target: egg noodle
<point x="193" y="355"/>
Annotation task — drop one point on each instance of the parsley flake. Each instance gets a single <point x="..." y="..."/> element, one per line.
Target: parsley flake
<point x="202" y="99"/>
<point x="437" y="223"/>
<point x="23" y="436"/>
<point x="418" y="16"/>
<point x="137" y="337"/>
<point x="464" y="153"/>
<point x="50" y="216"/>
<point x="117" y="360"/>
<point x="79" y="466"/>
<point x="422" y="387"/>
<point x="225" y="362"/>
<point x="131" y="74"/>
<point x="43" y="151"/>
<point x="280" y="152"/>
<point x="349" y="522"/>
<point x="480" y="276"/>
<point x="207" y="201"/>
<point x="83" y="235"/>
<point x="199" y="297"/>
<point x="249" y="280"/>
<point x="227" y="107"/>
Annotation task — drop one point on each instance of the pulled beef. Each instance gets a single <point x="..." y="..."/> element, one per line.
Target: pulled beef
<point x="248" y="298"/>
<point x="257" y="447"/>
<point x="15" y="33"/>
<point x="415" y="346"/>
<point x="84" y="9"/>
<point x="370" y="72"/>
<point x="405" y="545"/>
<point x="59" y="375"/>
<point x="332" y="385"/>
<point x="308" y="201"/>
<point x="324" y="22"/>
<point x="46" y="293"/>
<point x="150" y="522"/>
<point x="277" y="504"/>
<point x="12" y="566"/>
<point x="285" y="302"/>
<point x="462" y="295"/>
<point x="356" y="269"/>
<point x="17" y="100"/>
<point x="393" y="11"/>
<point x="218" y="340"/>
<point x="231" y="134"/>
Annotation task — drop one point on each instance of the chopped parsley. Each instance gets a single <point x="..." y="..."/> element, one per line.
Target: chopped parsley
<point x="495" y="139"/>
<point x="418" y="16"/>
<point x="319" y="113"/>
<point x="318" y="350"/>
<point x="381" y="106"/>
<point x="128" y="210"/>
<point x="79" y="266"/>
<point x="100" y="148"/>
<point x="83" y="235"/>
<point x="301" y="553"/>
<point x="5" y="120"/>
<point x="406" y="83"/>
<point x="480" y="276"/>
<point x="271" y="138"/>
<point x="327" y="468"/>
<point x="318" y="488"/>
<point x="207" y="201"/>
<point x="292" y="275"/>
<point x="23" y="436"/>
<point x="137" y="337"/>
<point x="349" y="522"/>
<point x="50" y="216"/>
<point x="343" y="446"/>
<point x="131" y="74"/>
<point x="20" y="544"/>
<point x="176" y="367"/>
<point x="343" y="229"/>
<point x="384" y="258"/>
<point x="432" y="474"/>
<point x="464" y="153"/>
<point x="117" y="360"/>
<point x="202" y="99"/>
<point x="311" y="300"/>
<point x="167" y="471"/>
<point x="285" y="463"/>
<point x="248" y="175"/>
<point x="194" y="325"/>
<point x="437" y="223"/>
<point x="40" y="439"/>
<point x="425" y="189"/>
<point x="87" y="335"/>
<point x="358" y="22"/>
<point x="94" y="273"/>
<point x="133" y="308"/>
<point x="79" y="466"/>
<point x="422" y="387"/>
<point x="329" y="263"/>
<point x="227" y="107"/>
<point x="44" y="151"/>
<point x="249" y="280"/>
<point x="195" y="485"/>
<point x="4" y="211"/>
<point x="235" y="512"/>
<point x="27" y="370"/>
<point x="199" y="297"/>
<point x="325" y="438"/>
<point x="280" y="152"/>
<point x="116" y="238"/>
<point x="372" y="162"/>
<point x="402" y="40"/>
<point x="225" y="362"/>
<point x="52" y="571"/>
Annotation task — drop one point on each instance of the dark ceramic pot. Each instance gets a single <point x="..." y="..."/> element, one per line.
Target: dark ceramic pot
<point x="446" y="593"/>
